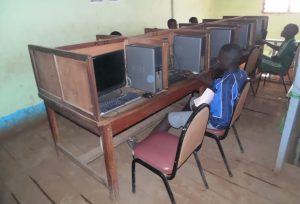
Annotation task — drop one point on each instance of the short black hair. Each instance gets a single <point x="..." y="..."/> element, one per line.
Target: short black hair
<point x="193" y="20"/>
<point x="116" y="33"/>
<point x="293" y="28"/>
<point x="171" y="21"/>
<point x="233" y="49"/>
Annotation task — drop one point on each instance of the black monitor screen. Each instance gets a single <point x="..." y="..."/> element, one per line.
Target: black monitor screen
<point x="110" y="71"/>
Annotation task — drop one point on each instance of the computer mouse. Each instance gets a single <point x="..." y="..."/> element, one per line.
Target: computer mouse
<point x="148" y="95"/>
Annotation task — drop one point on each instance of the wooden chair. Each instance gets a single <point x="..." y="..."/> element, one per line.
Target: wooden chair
<point x="282" y="74"/>
<point x="219" y="135"/>
<point x="164" y="153"/>
<point x="251" y="66"/>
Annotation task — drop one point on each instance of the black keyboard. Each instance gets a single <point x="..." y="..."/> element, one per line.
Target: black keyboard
<point x="175" y="77"/>
<point x="114" y="103"/>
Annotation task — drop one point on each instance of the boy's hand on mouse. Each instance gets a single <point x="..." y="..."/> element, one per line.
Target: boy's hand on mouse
<point x="190" y="74"/>
<point x="206" y="78"/>
<point x="216" y="73"/>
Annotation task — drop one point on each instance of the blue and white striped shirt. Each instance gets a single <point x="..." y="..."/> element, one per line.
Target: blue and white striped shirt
<point x="227" y="91"/>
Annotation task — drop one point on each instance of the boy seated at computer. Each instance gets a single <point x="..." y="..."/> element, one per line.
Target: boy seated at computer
<point x="285" y="53"/>
<point x="226" y="82"/>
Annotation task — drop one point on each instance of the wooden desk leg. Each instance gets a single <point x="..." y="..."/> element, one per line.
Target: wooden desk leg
<point x="53" y="126"/>
<point x="110" y="163"/>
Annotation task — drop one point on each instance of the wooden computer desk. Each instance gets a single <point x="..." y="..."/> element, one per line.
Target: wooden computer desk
<point x="66" y="82"/>
<point x="108" y="127"/>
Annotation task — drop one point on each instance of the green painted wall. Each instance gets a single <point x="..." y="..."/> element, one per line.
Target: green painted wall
<point x="62" y="22"/>
<point x="255" y="7"/>
<point x="183" y="10"/>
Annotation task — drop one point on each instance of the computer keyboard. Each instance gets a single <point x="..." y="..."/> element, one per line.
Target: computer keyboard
<point x="114" y="103"/>
<point x="175" y="77"/>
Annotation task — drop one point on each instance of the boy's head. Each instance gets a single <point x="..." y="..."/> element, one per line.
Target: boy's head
<point x="116" y="33"/>
<point x="172" y="23"/>
<point x="193" y="20"/>
<point x="289" y="31"/>
<point x="230" y="56"/>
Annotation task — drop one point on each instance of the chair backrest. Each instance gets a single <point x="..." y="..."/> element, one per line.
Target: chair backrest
<point x="252" y="60"/>
<point x="192" y="135"/>
<point x="240" y="103"/>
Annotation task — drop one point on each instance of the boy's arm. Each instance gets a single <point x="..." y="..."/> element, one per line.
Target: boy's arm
<point x="208" y="77"/>
<point x="274" y="47"/>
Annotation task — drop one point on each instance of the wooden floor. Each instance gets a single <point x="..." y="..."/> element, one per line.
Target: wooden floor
<point x="31" y="172"/>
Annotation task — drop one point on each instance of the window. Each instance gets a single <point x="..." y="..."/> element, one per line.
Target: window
<point x="281" y="6"/>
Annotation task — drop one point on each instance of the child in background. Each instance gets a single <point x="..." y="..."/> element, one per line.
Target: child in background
<point x="193" y="20"/>
<point x="172" y="23"/>
<point x="117" y="33"/>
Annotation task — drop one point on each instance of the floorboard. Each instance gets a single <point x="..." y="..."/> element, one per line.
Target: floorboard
<point x="32" y="172"/>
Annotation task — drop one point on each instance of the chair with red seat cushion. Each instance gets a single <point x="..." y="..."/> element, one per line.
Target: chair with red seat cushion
<point x="219" y="135"/>
<point x="164" y="153"/>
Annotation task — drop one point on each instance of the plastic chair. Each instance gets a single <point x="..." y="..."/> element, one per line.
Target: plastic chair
<point x="219" y="135"/>
<point x="164" y="153"/>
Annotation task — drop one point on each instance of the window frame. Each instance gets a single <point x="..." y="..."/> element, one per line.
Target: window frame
<point x="278" y="12"/>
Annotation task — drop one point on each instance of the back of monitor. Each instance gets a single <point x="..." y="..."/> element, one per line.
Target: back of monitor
<point x="219" y="37"/>
<point x="187" y="51"/>
<point x="144" y="67"/>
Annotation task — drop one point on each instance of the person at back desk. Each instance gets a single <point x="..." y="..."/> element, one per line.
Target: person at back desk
<point x="226" y="82"/>
<point x="172" y="23"/>
<point x="282" y="60"/>
<point x="193" y="20"/>
<point x="116" y="33"/>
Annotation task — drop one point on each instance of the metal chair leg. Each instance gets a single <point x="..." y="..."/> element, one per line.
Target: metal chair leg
<point x="289" y="78"/>
<point x="165" y="180"/>
<point x="200" y="169"/>
<point x="224" y="157"/>
<point x="133" y="176"/>
<point x="258" y="83"/>
<point x="282" y="79"/>
<point x="238" y="138"/>
<point x="157" y="172"/>
<point x="252" y="88"/>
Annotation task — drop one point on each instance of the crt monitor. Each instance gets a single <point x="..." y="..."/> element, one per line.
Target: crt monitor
<point x="243" y="35"/>
<point x="188" y="53"/>
<point x="219" y="37"/>
<point x="110" y="71"/>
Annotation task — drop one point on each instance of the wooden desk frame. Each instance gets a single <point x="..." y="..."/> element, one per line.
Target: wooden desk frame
<point x="150" y="30"/>
<point x="186" y="25"/>
<point x="100" y="37"/>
